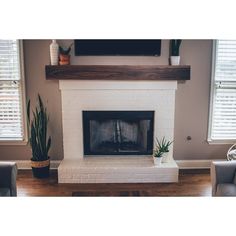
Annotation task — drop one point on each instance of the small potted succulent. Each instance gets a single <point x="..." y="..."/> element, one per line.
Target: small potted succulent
<point x="39" y="141"/>
<point x="174" y="51"/>
<point x="157" y="156"/>
<point x="64" y="55"/>
<point x="163" y="145"/>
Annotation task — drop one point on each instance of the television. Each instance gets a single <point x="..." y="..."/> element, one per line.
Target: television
<point x="117" y="47"/>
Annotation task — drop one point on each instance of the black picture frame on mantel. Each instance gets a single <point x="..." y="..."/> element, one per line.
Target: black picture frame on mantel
<point x="117" y="47"/>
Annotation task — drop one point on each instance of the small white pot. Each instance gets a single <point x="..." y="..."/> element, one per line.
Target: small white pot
<point x="175" y="60"/>
<point x="165" y="157"/>
<point x="157" y="161"/>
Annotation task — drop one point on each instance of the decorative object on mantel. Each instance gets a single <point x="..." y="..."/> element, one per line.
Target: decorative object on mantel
<point x="231" y="154"/>
<point x="64" y="55"/>
<point x="161" y="151"/>
<point x="118" y="72"/>
<point x="54" y="47"/>
<point x="39" y="142"/>
<point x="174" y="51"/>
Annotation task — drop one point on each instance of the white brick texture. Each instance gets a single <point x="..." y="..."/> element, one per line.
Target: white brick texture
<point x="78" y="96"/>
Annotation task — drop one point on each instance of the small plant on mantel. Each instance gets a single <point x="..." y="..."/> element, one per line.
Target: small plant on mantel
<point x="174" y="51"/>
<point x="39" y="141"/>
<point x="64" y="55"/>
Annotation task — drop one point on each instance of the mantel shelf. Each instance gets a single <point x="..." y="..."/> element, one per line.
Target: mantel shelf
<point x="117" y="72"/>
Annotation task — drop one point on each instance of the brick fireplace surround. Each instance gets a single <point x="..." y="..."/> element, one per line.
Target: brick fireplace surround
<point x="80" y="95"/>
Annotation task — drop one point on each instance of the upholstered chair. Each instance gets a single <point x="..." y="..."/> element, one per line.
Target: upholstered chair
<point x="8" y="174"/>
<point x="223" y="178"/>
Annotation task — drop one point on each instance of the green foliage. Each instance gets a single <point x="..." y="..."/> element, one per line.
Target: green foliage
<point x="161" y="147"/>
<point x="157" y="153"/>
<point x="65" y="51"/>
<point x="174" y="46"/>
<point x="39" y="142"/>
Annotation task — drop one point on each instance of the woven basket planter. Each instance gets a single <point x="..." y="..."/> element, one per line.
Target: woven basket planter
<point x="40" y="168"/>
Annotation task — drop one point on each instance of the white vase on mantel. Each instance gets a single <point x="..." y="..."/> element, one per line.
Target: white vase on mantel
<point x="54" y="52"/>
<point x="175" y="60"/>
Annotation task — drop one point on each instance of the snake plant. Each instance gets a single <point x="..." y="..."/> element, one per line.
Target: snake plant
<point x="174" y="46"/>
<point x="39" y="141"/>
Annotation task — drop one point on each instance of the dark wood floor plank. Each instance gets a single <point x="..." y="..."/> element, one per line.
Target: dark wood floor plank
<point x="191" y="183"/>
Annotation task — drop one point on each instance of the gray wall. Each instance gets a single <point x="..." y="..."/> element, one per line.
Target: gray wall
<point x="192" y="97"/>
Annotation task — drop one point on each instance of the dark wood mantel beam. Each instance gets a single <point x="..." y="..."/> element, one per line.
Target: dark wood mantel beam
<point x="117" y="72"/>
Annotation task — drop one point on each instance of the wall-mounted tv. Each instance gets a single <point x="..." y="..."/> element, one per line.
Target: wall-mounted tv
<point x="117" y="47"/>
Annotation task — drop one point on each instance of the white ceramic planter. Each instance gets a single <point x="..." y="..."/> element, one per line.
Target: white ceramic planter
<point x="175" y="60"/>
<point x="166" y="157"/>
<point x="157" y="161"/>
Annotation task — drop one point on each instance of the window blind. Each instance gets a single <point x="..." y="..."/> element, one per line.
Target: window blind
<point x="224" y="97"/>
<point x="11" y="125"/>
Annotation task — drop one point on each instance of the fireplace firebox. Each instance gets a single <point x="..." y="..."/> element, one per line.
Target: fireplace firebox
<point x="118" y="132"/>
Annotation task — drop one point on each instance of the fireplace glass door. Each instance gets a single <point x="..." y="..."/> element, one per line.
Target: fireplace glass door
<point x="118" y="132"/>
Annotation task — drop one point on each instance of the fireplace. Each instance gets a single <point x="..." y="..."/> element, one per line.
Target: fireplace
<point x="145" y="107"/>
<point x="118" y="132"/>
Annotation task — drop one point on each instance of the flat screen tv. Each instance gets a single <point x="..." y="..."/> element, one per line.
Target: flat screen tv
<point x="117" y="47"/>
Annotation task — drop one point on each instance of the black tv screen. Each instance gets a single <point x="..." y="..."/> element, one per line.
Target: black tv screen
<point x="121" y="47"/>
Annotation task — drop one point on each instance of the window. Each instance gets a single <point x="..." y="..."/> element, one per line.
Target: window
<point x="222" y="128"/>
<point x="12" y="99"/>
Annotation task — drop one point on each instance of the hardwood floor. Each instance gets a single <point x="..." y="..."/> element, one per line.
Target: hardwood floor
<point x="191" y="183"/>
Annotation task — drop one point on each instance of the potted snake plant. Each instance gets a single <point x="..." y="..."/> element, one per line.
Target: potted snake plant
<point x="174" y="51"/>
<point x="39" y="141"/>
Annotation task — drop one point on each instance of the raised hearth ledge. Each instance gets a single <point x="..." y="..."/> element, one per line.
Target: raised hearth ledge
<point x="116" y="170"/>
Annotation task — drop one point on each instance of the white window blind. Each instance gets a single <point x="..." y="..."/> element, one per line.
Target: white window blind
<point x="11" y="121"/>
<point x="224" y="91"/>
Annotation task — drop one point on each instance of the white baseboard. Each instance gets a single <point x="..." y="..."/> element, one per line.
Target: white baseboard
<point x="183" y="164"/>
<point x="25" y="164"/>
<point x="195" y="164"/>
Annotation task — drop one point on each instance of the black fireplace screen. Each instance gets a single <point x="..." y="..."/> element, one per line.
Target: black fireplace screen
<point x="118" y="132"/>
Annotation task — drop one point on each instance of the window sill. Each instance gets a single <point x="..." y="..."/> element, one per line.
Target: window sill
<point x="13" y="142"/>
<point x="225" y="141"/>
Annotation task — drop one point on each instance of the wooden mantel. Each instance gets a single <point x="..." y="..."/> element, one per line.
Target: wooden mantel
<point x="117" y="72"/>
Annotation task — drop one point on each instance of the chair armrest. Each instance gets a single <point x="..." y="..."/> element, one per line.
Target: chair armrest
<point x="8" y="174"/>
<point x="222" y="172"/>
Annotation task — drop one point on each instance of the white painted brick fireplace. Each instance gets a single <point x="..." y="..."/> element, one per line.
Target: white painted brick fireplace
<point x="79" y="95"/>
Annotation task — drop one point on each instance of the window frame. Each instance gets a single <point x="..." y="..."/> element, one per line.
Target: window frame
<point x="24" y="141"/>
<point x="211" y="104"/>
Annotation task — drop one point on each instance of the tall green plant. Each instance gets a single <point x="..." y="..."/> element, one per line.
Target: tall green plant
<point x="39" y="142"/>
<point x="174" y="46"/>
